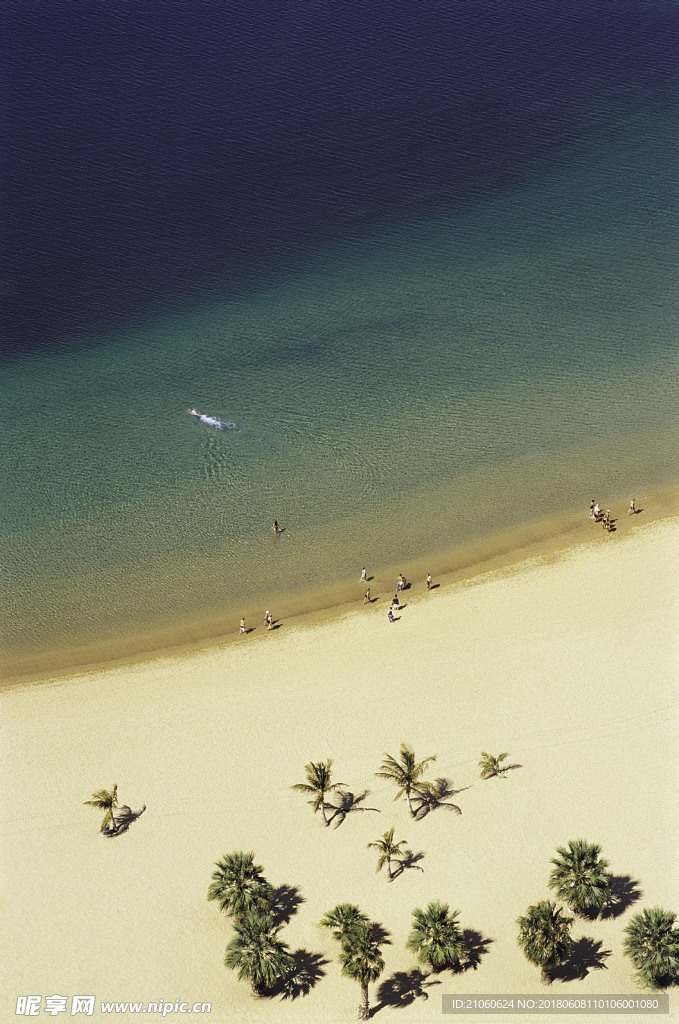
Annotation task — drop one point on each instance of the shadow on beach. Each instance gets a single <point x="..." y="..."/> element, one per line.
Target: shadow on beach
<point x="408" y="861"/>
<point x="306" y="971"/>
<point x="625" y="891"/>
<point x="427" y="800"/>
<point x="348" y="803"/>
<point x="477" y="947"/>
<point x="123" y="818"/>
<point x="403" y="988"/>
<point x="585" y="956"/>
<point x="285" y="902"/>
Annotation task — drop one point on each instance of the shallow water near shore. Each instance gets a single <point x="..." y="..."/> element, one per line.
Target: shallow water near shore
<point x="459" y="369"/>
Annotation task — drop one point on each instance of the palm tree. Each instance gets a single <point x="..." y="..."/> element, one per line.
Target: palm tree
<point x="387" y="849"/>
<point x="652" y="944"/>
<point x="579" y="876"/>
<point x="105" y="800"/>
<point x="405" y="773"/>
<point x="490" y="766"/>
<point x="318" y="783"/>
<point x="340" y="920"/>
<point x="239" y="886"/>
<point x="257" y="953"/>
<point x="436" y="937"/>
<point x="361" y="959"/>
<point x="544" y="936"/>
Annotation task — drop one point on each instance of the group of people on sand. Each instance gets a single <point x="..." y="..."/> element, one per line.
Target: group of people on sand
<point x="268" y="622"/>
<point x="599" y="516"/>
<point x="401" y="584"/>
<point x="596" y="513"/>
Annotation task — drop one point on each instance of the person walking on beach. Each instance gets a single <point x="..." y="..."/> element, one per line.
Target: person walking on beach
<point x="269" y="621"/>
<point x="395" y="604"/>
<point x="428" y="581"/>
<point x="390" y="615"/>
<point x="364" y="576"/>
<point x="591" y="509"/>
<point x="366" y="599"/>
<point x="242" y="626"/>
<point x="632" y="508"/>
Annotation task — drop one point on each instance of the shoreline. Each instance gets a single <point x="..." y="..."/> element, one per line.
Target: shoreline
<point x="568" y="662"/>
<point x="498" y="552"/>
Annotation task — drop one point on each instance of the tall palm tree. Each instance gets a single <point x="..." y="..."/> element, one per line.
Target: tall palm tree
<point x="652" y="944"/>
<point x="318" y="783"/>
<point x="491" y="766"/>
<point x="579" y="876"/>
<point x="238" y="886"/>
<point x="436" y="937"/>
<point x="361" y="959"/>
<point x="406" y="773"/>
<point x="105" y="800"/>
<point x="387" y="849"/>
<point x="544" y="936"/>
<point x="257" y="953"/>
<point x="342" y="918"/>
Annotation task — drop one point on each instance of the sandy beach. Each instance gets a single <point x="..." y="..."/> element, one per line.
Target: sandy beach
<point x="567" y="660"/>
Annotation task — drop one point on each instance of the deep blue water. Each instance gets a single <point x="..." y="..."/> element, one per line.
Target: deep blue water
<point x="160" y="153"/>
<point x="423" y="254"/>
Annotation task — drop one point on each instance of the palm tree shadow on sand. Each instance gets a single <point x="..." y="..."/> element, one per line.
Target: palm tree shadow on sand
<point x="427" y="800"/>
<point x="403" y="988"/>
<point x="285" y="902"/>
<point x="476" y="947"/>
<point x="406" y="862"/>
<point x="306" y="971"/>
<point x="585" y="956"/>
<point x="625" y="891"/>
<point x="348" y="803"/>
<point x="121" y="820"/>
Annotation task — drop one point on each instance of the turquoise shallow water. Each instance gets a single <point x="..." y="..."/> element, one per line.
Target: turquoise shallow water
<point x="430" y="385"/>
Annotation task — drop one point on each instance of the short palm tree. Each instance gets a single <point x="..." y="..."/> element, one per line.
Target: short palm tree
<point x="579" y="877"/>
<point x="544" y="936"/>
<point x="318" y="783"/>
<point x="436" y="937"/>
<point x="491" y="766"/>
<point x="406" y="773"/>
<point x="652" y="944"/>
<point x="342" y="918"/>
<point x="105" y="800"/>
<point x="387" y="849"/>
<point x="238" y="886"/>
<point x="361" y="959"/>
<point x="257" y="953"/>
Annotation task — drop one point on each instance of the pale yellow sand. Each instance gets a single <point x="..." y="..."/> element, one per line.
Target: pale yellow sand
<point x="570" y="663"/>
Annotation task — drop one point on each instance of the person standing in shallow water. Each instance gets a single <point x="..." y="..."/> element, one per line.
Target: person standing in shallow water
<point x="276" y="528"/>
<point x="242" y="626"/>
<point x="428" y="581"/>
<point x="632" y="507"/>
<point x="364" y="576"/>
<point x="366" y="599"/>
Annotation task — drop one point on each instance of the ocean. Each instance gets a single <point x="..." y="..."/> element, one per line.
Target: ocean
<point x="422" y="256"/>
